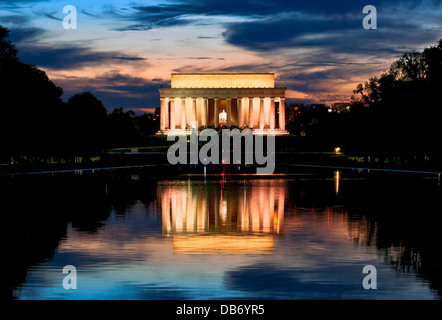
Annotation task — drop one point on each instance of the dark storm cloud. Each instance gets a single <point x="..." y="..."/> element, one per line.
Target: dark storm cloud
<point x="204" y="58"/>
<point x="343" y="34"/>
<point x="205" y="37"/>
<point x="129" y="58"/>
<point x="178" y="12"/>
<point x="69" y="57"/>
<point x="17" y="35"/>
<point x="14" y="19"/>
<point x="335" y="27"/>
<point x="134" y="27"/>
<point x="49" y="14"/>
<point x="159" y="15"/>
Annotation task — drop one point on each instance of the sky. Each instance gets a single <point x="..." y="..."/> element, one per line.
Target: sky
<point x="122" y="51"/>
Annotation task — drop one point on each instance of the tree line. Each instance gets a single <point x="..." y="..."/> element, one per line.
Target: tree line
<point x="399" y="111"/>
<point x="35" y="120"/>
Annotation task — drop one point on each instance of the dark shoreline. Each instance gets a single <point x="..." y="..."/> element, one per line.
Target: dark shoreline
<point x="286" y="163"/>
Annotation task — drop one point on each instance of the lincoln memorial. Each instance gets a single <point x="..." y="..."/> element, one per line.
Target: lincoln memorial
<point x="222" y="100"/>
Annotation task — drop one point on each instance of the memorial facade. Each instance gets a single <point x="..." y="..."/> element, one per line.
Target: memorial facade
<point x="222" y="100"/>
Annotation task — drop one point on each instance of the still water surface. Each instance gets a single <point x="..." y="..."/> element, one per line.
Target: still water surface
<point x="308" y="235"/>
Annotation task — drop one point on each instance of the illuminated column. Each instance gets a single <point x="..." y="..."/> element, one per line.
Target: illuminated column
<point x="204" y="112"/>
<point x="229" y="110"/>
<point x="172" y="114"/>
<point x="245" y="111"/>
<point x="250" y="112"/>
<point x="188" y="110"/>
<point x="216" y="114"/>
<point x="272" y="113"/>
<point x="198" y="111"/>
<point x="240" y="113"/>
<point x="282" y="114"/>
<point x="164" y="113"/>
<point x="261" y="113"/>
<point x="183" y="113"/>
<point x="194" y="110"/>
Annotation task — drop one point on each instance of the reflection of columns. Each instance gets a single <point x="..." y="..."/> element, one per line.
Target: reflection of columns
<point x="179" y="213"/>
<point x="172" y="114"/>
<point x="271" y="206"/>
<point x="261" y="113"/>
<point x="240" y="113"/>
<point x="165" y="201"/>
<point x="280" y="211"/>
<point x="217" y="204"/>
<point x="254" y="214"/>
<point x="250" y="112"/>
<point x="282" y="114"/>
<point x="337" y="177"/>
<point x="267" y="217"/>
<point x="205" y="214"/>
<point x="249" y="210"/>
<point x="229" y="110"/>
<point x="204" y="113"/>
<point x="272" y="113"/>
<point x="164" y="113"/>
<point x="244" y="212"/>
<point x="173" y="211"/>
<point x="190" y="219"/>
<point x="216" y="113"/>
<point x="261" y="207"/>
<point x="183" y="113"/>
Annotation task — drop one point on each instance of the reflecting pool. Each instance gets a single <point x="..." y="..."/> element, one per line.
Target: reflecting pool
<point x="305" y="235"/>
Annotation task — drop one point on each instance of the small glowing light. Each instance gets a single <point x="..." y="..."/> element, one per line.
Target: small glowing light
<point x="223" y="117"/>
<point x="337" y="150"/>
<point x="330" y="110"/>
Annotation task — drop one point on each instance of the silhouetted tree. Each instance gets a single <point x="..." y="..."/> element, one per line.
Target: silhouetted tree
<point x="404" y="103"/>
<point x="86" y="118"/>
<point x="30" y="104"/>
<point x="122" y="129"/>
<point x="148" y="125"/>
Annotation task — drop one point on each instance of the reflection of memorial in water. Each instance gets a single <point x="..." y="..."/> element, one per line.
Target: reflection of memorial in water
<point x="239" y="217"/>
